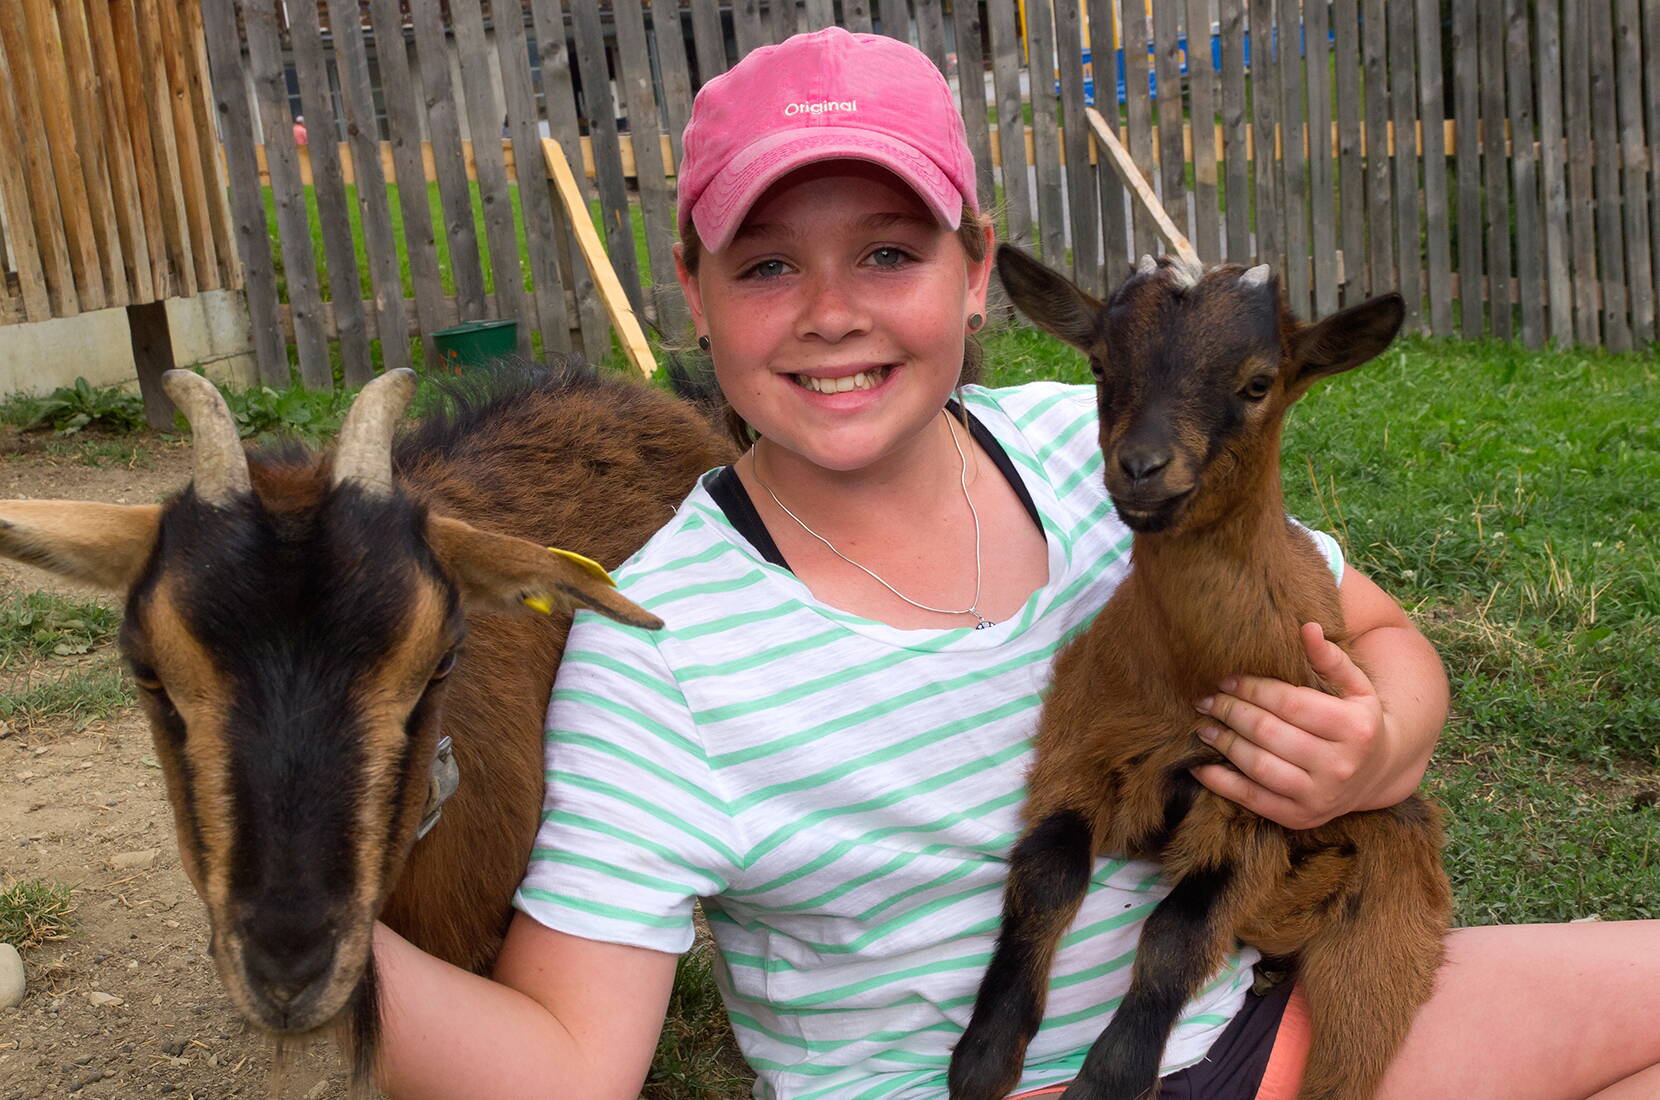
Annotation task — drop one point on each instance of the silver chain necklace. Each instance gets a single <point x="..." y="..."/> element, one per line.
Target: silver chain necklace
<point x="973" y="608"/>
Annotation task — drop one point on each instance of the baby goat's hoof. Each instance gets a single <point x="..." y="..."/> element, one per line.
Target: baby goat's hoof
<point x="986" y="1064"/>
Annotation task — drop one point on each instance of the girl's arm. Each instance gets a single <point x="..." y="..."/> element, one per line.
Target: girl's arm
<point x="564" y="1016"/>
<point x="1305" y="757"/>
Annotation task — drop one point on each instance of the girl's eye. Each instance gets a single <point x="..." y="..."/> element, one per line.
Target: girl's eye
<point x="768" y="269"/>
<point x="1257" y="388"/>
<point x="887" y="257"/>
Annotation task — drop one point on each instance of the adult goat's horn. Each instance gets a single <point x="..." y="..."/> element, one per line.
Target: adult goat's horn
<point x="221" y="464"/>
<point x="364" y="453"/>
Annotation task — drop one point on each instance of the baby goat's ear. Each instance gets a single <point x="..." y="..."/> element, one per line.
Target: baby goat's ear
<point x="102" y="544"/>
<point x="1048" y="299"/>
<point x="503" y="573"/>
<point x="1346" y="339"/>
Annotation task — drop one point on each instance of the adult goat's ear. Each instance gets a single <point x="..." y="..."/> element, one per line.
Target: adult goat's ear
<point x="1048" y="299"/>
<point x="102" y="544"/>
<point x="503" y="573"/>
<point x="1346" y="339"/>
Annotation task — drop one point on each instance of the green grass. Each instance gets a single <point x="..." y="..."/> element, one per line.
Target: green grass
<point x="697" y="1055"/>
<point x="78" y="698"/>
<point x="41" y="624"/>
<point x="35" y="911"/>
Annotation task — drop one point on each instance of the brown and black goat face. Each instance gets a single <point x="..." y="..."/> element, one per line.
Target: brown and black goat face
<point x="1194" y="371"/>
<point x="291" y="633"/>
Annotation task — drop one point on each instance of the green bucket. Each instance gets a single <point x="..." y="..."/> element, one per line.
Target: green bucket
<point x="475" y="343"/>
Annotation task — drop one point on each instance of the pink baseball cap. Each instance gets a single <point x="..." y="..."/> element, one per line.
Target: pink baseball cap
<point x="828" y="95"/>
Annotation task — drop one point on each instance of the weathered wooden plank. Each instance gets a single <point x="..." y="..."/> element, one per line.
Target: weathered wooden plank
<point x="1235" y="137"/>
<point x="1351" y="170"/>
<point x="1576" y="121"/>
<point x="1005" y="45"/>
<point x="1082" y="212"/>
<point x="822" y="13"/>
<point x="50" y="86"/>
<point x="1634" y="162"/>
<point x="380" y="246"/>
<point x="602" y="134"/>
<point x="617" y="303"/>
<point x="1141" y="191"/>
<point x="122" y="173"/>
<point x="1138" y="116"/>
<point x="1524" y="172"/>
<point x="443" y="125"/>
<point x="1403" y="93"/>
<point x="1553" y="173"/>
<point x="1172" y="155"/>
<point x="259" y="17"/>
<point x="1431" y="108"/>
<point x="1294" y="197"/>
<point x="971" y="68"/>
<point x="894" y="20"/>
<point x="207" y="147"/>
<point x="1651" y="51"/>
<point x="1321" y="180"/>
<point x="14" y="201"/>
<point x="1040" y="53"/>
<point x="134" y="90"/>
<point x="1115" y="231"/>
<point x="152" y="347"/>
<point x="656" y="194"/>
<point x="164" y="144"/>
<point x="541" y="229"/>
<point x="253" y="240"/>
<point x="856" y="17"/>
<point x="1495" y="177"/>
<point x="747" y="30"/>
<point x="484" y="123"/>
<point x="170" y="47"/>
<point x="710" y="41"/>
<point x="403" y="97"/>
<point x="930" y="28"/>
<point x="1270" y="219"/>
<point x="88" y="119"/>
<point x="329" y="188"/>
<point x="560" y="100"/>
<point x="1472" y="323"/>
<point x="1380" y="213"/>
<point x="1201" y="86"/>
<point x="1616" y="322"/>
<point x="668" y="35"/>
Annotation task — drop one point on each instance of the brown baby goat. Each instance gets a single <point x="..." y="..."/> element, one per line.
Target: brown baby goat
<point x="1194" y="373"/>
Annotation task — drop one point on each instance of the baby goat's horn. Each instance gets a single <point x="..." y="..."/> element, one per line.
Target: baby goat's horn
<point x="364" y="453"/>
<point x="221" y="465"/>
<point x="1147" y="266"/>
<point x="1256" y="276"/>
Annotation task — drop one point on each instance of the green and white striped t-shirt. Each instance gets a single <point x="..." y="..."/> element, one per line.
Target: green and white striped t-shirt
<point x="843" y="794"/>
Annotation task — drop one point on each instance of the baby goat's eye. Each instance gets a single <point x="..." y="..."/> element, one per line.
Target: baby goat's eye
<point x="1257" y="388"/>
<point x="1095" y="368"/>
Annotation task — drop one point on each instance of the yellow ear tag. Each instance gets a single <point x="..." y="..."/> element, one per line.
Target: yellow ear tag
<point x="588" y="565"/>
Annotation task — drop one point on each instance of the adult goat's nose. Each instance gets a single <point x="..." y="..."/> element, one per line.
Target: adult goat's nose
<point x="1140" y="463"/>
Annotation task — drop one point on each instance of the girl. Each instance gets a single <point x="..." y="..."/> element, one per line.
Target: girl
<point x="828" y="741"/>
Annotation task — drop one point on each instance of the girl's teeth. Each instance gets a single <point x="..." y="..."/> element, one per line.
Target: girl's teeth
<point x="864" y="380"/>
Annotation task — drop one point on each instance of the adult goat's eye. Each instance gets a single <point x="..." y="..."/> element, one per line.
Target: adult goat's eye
<point x="145" y="677"/>
<point x="445" y="664"/>
<point x="1257" y="388"/>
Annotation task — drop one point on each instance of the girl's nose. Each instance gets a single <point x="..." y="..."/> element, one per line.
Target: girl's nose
<point x="830" y="310"/>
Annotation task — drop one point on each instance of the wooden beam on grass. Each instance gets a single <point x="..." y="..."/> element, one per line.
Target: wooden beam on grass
<point x="1141" y="193"/>
<point x="599" y="264"/>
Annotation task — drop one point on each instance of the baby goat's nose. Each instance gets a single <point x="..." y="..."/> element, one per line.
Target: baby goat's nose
<point x="1142" y="462"/>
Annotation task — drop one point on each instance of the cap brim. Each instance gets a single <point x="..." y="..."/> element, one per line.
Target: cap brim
<point x="720" y="210"/>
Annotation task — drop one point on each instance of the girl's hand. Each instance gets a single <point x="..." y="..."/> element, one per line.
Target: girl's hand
<point x="1303" y="757"/>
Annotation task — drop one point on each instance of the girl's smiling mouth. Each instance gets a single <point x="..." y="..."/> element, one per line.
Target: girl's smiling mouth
<point x="867" y="379"/>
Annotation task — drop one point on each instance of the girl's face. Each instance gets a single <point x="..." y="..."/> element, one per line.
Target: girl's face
<point x="838" y="315"/>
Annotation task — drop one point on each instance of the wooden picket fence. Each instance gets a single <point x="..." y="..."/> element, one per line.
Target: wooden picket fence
<point x="1498" y="161"/>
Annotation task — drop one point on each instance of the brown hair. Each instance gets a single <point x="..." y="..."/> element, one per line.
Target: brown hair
<point x="971" y="234"/>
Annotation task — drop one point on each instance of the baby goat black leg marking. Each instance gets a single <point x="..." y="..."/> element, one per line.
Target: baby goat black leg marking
<point x="1048" y="877"/>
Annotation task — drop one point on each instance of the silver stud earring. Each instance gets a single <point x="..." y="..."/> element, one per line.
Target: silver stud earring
<point x="975" y="320"/>
<point x="703" y="342"/>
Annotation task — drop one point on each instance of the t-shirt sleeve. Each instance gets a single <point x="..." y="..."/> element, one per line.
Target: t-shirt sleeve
<point x="1328" y="548"/>
<point x="633" y="827"/>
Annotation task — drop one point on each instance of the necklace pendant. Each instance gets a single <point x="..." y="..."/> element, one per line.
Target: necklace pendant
<point x="983" y="623"/>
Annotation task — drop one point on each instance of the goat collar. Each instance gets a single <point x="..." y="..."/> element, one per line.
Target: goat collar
<point x="444" y="779"/>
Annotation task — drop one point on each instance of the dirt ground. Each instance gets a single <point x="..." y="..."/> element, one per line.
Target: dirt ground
<point x="86" y="808"/>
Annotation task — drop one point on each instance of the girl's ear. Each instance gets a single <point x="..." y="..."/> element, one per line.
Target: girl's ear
<point x="688" y="286"/>
<point x="979" y="274"/>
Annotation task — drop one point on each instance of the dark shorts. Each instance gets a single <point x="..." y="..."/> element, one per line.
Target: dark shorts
<point x="1237" y="1066"/>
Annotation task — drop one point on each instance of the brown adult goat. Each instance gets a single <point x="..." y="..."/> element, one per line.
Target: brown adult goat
<point x="1195" y="371"/>
<point x="296" y="622"/>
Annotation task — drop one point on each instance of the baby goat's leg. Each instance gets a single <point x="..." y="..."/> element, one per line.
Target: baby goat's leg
<point x="1048" y="877"/>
